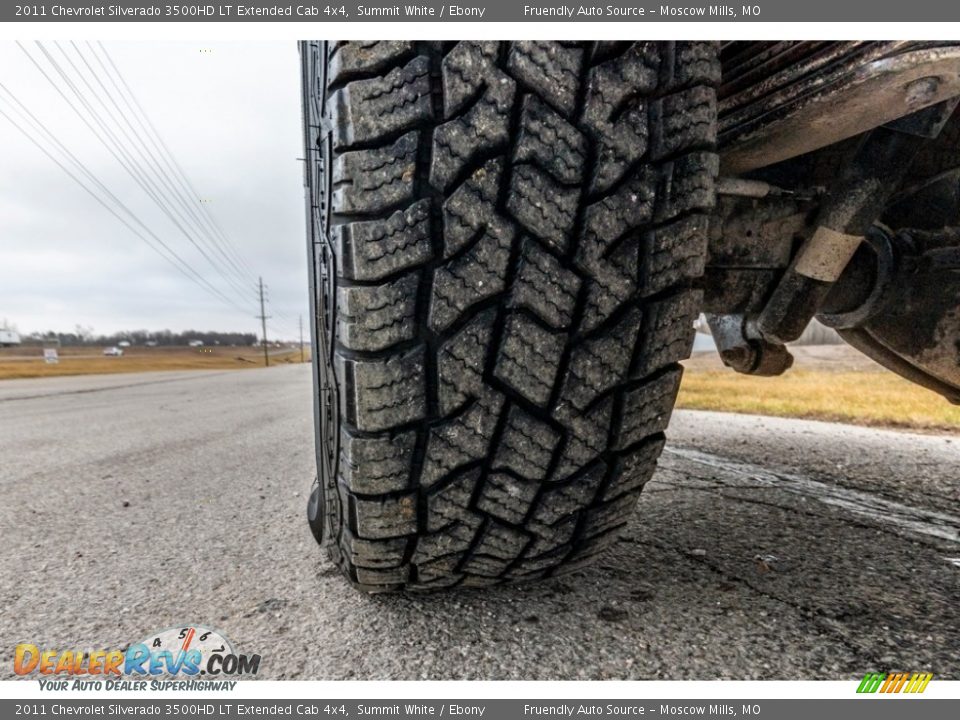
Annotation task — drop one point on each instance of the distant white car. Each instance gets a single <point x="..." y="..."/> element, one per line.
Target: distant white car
<point x="195" y="343"/>
<point x="123" y="344"/>
<point x="113" y="351"/>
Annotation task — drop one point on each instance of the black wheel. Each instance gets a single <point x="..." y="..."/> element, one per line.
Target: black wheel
<point x="506" y="242"/>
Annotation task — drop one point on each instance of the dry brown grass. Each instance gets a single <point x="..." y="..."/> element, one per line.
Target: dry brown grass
<point x="860" y="397"/>
<point x="28" y="362"/>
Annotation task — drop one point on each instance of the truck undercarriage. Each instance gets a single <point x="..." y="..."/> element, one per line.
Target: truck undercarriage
<point x="823" y="145"/>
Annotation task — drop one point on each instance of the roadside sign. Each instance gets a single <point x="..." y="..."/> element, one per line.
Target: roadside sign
<point x="50" y="356"/>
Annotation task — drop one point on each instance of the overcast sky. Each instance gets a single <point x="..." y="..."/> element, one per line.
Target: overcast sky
<point x="230" y="114"/>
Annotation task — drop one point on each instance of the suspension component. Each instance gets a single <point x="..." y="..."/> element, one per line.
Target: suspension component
<point x="851" y="207"/>
<point x="742" y="350"/>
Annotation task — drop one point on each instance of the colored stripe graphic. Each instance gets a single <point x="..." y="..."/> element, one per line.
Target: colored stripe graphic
<point x="870" y="683"/>
<point x="894" y="683"/>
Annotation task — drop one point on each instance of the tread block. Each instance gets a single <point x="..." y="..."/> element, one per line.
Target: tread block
<point x="385" y="517"/>
<point x="550" y="142"/>
<point x="470" y="208"/>
<point x="616" y="113"/>
<point x="370" y="181"/>
<point x="529" y="358"/>
<point x="461" y="440"/>
<point x="376" y="317"/>
<point x="667" y="332"/>
<point x="439" y="553"/>
<point x="442" y="552"/>
<point x="614" y="83"/>
<point x="549" y="67"/>
<point x="693" y="63"/>
<point x="634" y="469"/>
<point x="683" y="121"/>
<point x="350" y="59"/>
<point x="461" y="360"/>
<point x="372" y="465"/>
<point x="620" y="145"/>
<point x="545" y="287"/>
<point x="506" y="497"/>
<point x="647" y="408"/>
<point x="379" y="394"/>
<point x="373" y="249"/>
<point x="603" y="518"/>
<point x="448" y="507"/>
<point x="373" y="577"/>
<point x="535" y="564"/>
<point x="374" y="554"/>
<point x="674" y="254"/>
<point x="686" y="185"/>
<point x="544" y="207"/>
<point x="467" y="279"/>
<point x="526" y="446"/>
<point x="585" y="553"/>
<point x="464" y="73"/>
<point x="437" y="574"/>
<point x="367" y="111"/>
<point x="551" y="543"/>
<point x="616" y="216"/>
<point x="614" y="282"/>
<point x="499" y="545"/>
<point x="483" y="127"/>
<point x="562" y="501"/>
<point x="597" y="365"/>
<point x="587" y="438"/>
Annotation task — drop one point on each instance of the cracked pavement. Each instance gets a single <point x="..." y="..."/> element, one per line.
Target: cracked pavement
<point x="763" y="548"/>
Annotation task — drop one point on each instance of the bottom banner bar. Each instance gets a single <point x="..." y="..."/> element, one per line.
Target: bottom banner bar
<point x="874" y="708"/>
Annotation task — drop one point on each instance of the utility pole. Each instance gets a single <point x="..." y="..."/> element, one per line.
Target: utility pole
<point x="301" y="338"/>
<point x="263" y="320"/>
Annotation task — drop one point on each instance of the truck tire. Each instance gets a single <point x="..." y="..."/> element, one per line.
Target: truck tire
<point x="507" y="239"/>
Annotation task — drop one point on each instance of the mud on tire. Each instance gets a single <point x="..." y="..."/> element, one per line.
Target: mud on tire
<point x="507" y="239"/>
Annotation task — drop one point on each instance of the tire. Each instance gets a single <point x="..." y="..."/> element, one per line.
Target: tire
<point x="507" y="239"/>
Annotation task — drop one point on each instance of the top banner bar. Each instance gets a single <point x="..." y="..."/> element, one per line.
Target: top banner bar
<point x="636" y="11"/>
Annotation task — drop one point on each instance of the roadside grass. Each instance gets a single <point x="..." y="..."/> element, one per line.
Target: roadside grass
<point x="28" y="362"/>
<point x="876" y="398"/>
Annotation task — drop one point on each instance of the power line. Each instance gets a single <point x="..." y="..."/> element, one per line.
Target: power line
<point x="179" y="263"/>
<point x="115" y="145"/>
<point x="177" y="182"/>
<point x="119" y="159"/>
<point x="161" y="174"/>
<point x="174" y="189"/>
<point x="173" y="161"/>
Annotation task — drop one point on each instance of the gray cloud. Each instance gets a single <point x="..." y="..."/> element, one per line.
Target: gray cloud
<point x="230" y="113"/>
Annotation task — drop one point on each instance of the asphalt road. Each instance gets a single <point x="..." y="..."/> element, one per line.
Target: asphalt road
<point x="763" y="548"/>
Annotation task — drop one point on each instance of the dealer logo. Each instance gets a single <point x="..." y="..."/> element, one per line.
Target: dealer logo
<point x="187" y="651"/>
